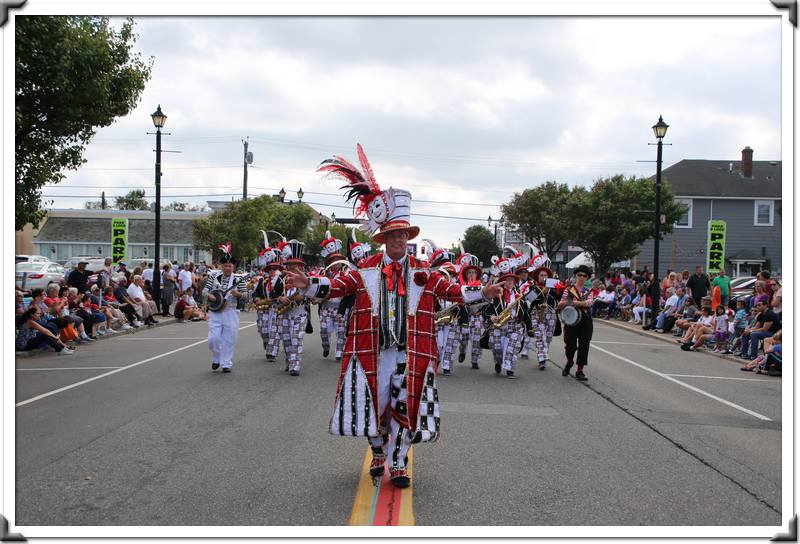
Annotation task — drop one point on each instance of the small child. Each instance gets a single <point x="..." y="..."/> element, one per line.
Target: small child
<point x="739" y="324"/>
<point x="720" y="328"/>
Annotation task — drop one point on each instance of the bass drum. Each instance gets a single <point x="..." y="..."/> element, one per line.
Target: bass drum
<point x="570" y="316"/>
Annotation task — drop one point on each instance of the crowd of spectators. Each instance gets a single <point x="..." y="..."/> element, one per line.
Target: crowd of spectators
<point x="87" y="304"/>
<point x="690" y="307"/>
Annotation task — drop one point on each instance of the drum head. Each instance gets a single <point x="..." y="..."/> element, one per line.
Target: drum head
<point x="570" y="316"/>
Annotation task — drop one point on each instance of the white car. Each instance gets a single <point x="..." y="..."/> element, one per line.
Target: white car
<point x="31" y="259"/>
<point x="33" y="275"/>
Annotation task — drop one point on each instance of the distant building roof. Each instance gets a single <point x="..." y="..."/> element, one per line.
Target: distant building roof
<point x="94" y="229"/>
<point x="704" y="178"/>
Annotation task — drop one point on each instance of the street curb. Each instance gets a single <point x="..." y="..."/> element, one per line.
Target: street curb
<point x="38" y="352"/>
<point x="667" y="339"/>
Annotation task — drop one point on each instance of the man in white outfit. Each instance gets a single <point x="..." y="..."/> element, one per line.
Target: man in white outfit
<point x="223" y="326"/>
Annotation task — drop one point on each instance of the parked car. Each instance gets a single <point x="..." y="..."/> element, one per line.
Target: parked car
<point x="741" y="288"/>
<point x="33" y="275"/>
<point x="31" y="259"/>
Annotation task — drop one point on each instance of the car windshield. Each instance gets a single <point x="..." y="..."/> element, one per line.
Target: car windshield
<point x="29" y="267"/>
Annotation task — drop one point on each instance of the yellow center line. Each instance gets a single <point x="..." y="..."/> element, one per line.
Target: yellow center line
<point x="366" y="498"/>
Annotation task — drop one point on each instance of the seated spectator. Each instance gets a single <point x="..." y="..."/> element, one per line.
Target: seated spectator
<point x="777" y="298"/>
<point x="184" y="311"/>
<point x="670" y="307"/>
<point x="688" y="315"/>
<point x="760" y="362"/>
<point x="126" y="304"/>
<point x="201" y="315"/>
<point x="76" y="308"/>
<point x="767" y="324"/>
<point x="19" y="302"/>
<point x="31" y="334"/>
<point x="144" y="303"/>
<point x="97" y="304"/>
<point x="720" y="328"/>
<point x="625" y="305"/>
<point x="739" y="324"/>
<point x="641" y="309"/>
<point x="58" y="312"/>
<point x="605" y="300"/>
<point x="695" y="333"/>
<point x="760" y="294"/>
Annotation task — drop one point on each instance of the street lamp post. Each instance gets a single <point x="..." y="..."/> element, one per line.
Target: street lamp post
<point x="158" y="121"/>
<point x="660" y="130"/>
<point x="300" y="195"/>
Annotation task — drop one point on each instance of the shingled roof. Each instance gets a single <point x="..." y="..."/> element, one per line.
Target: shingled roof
<point x="691" y="177"/>
<point x="140" y="231"/>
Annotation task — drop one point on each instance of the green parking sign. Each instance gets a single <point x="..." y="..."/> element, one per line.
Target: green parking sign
<point x="716" y="246"/>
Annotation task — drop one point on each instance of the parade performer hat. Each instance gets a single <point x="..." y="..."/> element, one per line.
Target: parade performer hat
<point x="358" y="250"/>
<point x="536" y="271"/>
<point x="540" y="259"/>
<point x="266" y="255"/>
<point x="330" y="245"/>
<point x="436" y="255"/>
<point x="583" y="268"/>
<point x="507" y="275"/>
<point x="502" y="266"/>
<point x="226" y="250"/>
<point x="296" y="249"/>
<point x="465" y="262"/>
<point x="386" y="211"/>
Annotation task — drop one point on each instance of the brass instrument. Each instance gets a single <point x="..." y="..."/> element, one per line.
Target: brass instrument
<point x="283" y="308"/>
<point x="504" y="316"/>
<point x="447" y="315"/>
<point x="263" y="304"/>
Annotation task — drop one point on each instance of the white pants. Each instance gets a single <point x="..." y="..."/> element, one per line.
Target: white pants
<point x="223" y="330"/>
<point x="395" y="439"/>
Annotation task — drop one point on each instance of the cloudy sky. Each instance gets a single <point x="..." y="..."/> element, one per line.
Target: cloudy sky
<point x="459" y="110"/>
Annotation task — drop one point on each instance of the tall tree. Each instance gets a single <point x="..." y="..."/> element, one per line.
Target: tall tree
<point x="134" y="200"/>
<point x="72" y="75"/>
<point x="543" y="215"/>
<point x="617" y="215"/>
<point x="479" y="241"/>
<point x="240" y="222"/>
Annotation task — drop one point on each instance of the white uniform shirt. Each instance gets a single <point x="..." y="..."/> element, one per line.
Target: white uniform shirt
<point x="185" y="279"/>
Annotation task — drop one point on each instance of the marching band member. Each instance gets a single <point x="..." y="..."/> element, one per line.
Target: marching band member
<point x="387" y="390"/>
<point x="268" y="260"/>
<point x="470" y="319"/>
<point x="522" y="286"/>
<point x="578" y="336"/>
<point x="543" y="301"/>
<point x="330" y="320"/>
<point x="508" y="336"/>
<point x="223" y="324"/>
<point x="447" y="332"/>
<point x="292" y="312"/>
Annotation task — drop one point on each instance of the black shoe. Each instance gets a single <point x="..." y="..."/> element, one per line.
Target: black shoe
<point x="475" y="366"/>
<point x="446" y="372"/>
<point x="565" y="372"/>
<point x="581" y="377"/>
<point x="294" y="373"/>
<point x="497" y="368"/>
<point x="542" y="365"/>
<point x="461" y="357"/>
<point x="400" y="478"/>
<point x="510" y="374"/>
<point x="226" y="370"/>
<point x="523" y="356"/>
<point x="270" y="358"/>
<point x="214" y="366"/>
<point x="325" y="352"/>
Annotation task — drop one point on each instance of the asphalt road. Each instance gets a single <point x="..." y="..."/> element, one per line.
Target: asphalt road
<point x="656" y="437"/>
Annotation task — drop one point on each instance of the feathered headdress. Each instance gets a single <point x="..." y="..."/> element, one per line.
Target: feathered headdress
<point x="362" y="187"/>
<point x="226" y="250"/>
<point x="330" y="245"/>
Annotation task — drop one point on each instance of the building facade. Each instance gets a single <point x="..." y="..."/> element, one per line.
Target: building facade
<point x="746" y="194"/>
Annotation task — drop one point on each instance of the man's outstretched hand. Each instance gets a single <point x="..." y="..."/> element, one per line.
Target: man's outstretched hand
<point x="296" y="279"/>
<point x="492" y="291"/>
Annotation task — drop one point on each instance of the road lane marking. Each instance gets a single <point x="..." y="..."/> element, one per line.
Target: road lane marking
<point x="69" y="368"/>
<point x="684" y="384"/>
<point x="133" y="337"/>
<point x="628" y="343"/>
<point x="383" y="504"/>
<point x="721" y="378"/>
<point x="120" y="369"/>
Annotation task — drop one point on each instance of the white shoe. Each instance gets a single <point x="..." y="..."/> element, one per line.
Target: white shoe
<point x="100" y="333"/>
<point x="110" y="331"/>
<point x="66" y="351"/>
<point x="137" y="324"/>
<point x="125" y="327"/>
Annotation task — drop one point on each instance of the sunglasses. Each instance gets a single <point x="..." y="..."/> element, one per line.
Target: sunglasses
<point x="582" y="275"/>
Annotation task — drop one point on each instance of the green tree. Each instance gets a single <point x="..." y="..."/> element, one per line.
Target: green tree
<point x="134" y="200"/>
<point x="314" y="237"/>
<point x="176" y="206"/>
<point x="542" y="214"/>
<point x="479" y="241"/>
<point x="241" y="221"/>
<point x="72" y="75"/>
<point x="616" y="217"/>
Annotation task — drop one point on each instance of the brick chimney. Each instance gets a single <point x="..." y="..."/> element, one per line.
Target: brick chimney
<point x="747" y="162"/>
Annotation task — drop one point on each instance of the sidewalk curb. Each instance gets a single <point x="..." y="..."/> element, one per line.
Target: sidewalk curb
<point x="668" y="339"/>
<point x="38" y="352"/>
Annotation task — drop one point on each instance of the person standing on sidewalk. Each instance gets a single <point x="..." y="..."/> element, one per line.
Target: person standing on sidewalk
<point x="698" y="285"/>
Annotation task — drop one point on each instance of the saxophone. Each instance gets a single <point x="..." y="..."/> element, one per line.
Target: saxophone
<point x="504" y="316"/>
<point x="447" y="315"/>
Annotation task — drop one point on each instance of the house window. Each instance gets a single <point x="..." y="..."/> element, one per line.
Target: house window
<point x="763" y="213"/>
<point x="685" y="221"/>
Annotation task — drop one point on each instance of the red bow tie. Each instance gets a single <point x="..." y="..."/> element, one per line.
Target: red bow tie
<point x="394" y="273"/>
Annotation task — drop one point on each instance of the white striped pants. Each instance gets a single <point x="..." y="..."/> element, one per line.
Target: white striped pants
<point x="446" y="339"/>
<point x="543" y="332"/>
<point x="393" y="441"/>
<point x="331" y="322"/>
<point x="292" y="331"/>
<point x="506" y="343"/>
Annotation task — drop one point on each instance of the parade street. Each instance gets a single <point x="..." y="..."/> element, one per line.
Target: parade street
<point x="657" y="436"/>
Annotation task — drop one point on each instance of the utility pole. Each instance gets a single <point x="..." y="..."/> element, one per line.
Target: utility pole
<point x="244" y="182"/>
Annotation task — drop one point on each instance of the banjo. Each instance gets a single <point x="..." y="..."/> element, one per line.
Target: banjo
<point x="570" y="315"/>
<point x="219" y="302"/>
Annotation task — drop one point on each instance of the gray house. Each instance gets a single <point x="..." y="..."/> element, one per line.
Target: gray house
<point x="745" y="194"/>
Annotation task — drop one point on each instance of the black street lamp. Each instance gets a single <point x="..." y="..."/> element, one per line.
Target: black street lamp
<point x="281" y="194"/>
<point x="333" y="217"/>
<point x="300" y="195"/>
<point x="660" y="130"/>
<point x="158" y="121"/>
